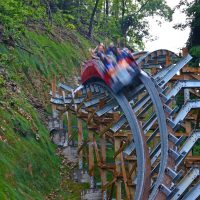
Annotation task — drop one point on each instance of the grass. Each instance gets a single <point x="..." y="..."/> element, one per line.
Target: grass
<point x="29" y="168"/>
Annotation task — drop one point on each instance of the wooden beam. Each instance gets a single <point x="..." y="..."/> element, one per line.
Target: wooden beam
<point x="80" y="141"/>
<point x="69" y="123"/>
<point x="124" y="174"/>
<point x="117" y="143"/>
<point x="103" y="157"/>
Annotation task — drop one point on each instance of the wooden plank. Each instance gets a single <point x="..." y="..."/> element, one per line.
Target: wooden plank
<point x="69" y="123"/>
<point x="124" y="174"/>
<point x="103" y="157"/>
<point x="192" y="158"/>
<point x="80" y="141"/>
<point x="118" y="169"/>
<point x="91" y="158"/>
<point x="191" y="70"/>
<point x="197" y="126"/>
<point x="168" y="60"/>
<point x="91" y="152"/>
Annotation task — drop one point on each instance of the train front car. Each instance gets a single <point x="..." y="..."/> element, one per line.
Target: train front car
<point x="94" y="70"/>
<point x="123" y="74"/>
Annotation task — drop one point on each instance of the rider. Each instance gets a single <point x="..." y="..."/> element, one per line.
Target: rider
<point x="107" y="61"/>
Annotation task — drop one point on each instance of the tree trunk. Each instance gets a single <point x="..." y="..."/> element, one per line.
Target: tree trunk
<point x="123" y="9"/>
<point x="116" y="8"/>
<point x="107" y="8"/>
<point x="122" y="21"/>
<point x="92" y="19"/>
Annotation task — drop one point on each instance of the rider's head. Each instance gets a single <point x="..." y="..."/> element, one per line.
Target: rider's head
<point x="101" y="47"/>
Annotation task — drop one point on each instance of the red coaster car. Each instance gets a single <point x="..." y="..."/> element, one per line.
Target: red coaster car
<point x="121" y="77"/>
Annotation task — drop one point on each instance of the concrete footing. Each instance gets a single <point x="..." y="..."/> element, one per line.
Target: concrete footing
<point x="81" y="176"/>
<point x="70" y="153"/>
<point x="91" y="194"/>
<point x="58" y="137"/>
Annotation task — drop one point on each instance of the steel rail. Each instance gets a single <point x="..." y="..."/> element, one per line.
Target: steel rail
<point x="182" y="84"/>
<point x="191" y="104"/>
<point x="153" y="87"/>
<point x="168" y="75"/>
<point x="143" y="163"/>
<point x="187" y="146"/>
<point x="158" y="106"/>
<point x="182" y="186"/>
<point x="194" y="193"/>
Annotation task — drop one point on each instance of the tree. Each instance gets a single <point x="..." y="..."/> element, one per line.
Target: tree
<point x="192" y="10"/>
<point x="92" y="18"/>
<point x="100" y="19"/>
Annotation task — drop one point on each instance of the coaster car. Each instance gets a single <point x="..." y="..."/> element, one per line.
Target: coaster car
<point x="116" y="78"/>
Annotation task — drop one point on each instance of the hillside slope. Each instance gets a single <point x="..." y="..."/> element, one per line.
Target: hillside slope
<point x="29" y="167"/>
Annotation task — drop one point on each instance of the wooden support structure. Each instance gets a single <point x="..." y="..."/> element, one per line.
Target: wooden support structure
<point x="91" y="157"/>
<point x="124" y="175"/>
<point x="118" y="185"/>
<point x="69" y="124"/>
<point x="103" y="157"/>
<point x="123" y="168"/>
<point x="80" y="141"/>
<point x="168" y="60"/>
<point x="90" y="145"/>
<point x="197" y="126"/>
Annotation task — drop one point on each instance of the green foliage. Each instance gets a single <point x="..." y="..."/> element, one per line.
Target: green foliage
<point x="195" y="52"/>
<point x="15" y="14"/>
<point x="114" y="19"/>
<point x="125" y="20"/>
<point x="24" y="163"/>
<point x="2" y="81"/>
<point x="29" y="168"/>
<point x="192" y="10"/>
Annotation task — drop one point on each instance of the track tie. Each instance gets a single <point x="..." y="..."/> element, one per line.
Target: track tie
<point x="65" y="87"/>
<point x="175" y="140"/>
<point x="129" y="149"/>
<point x="145" y="99"/>
<point x="155" y="151"/>
<point x="163" y="96"/>
<point x="155" y="169"/>
<point x="155" y="157"/>
<point x="149" y="123"/>
<point x="106" y="108"/>
<point x="165" y="190"/>
<point x="146" y="108"/>
<point x="57" y="101"/>
<point x="153" y="135"/>
<point x="79" y="100"/>
<point x="175" y="155"/>
<point x="169" y="110"/>
<point x="175" y="176"/>
<point x="174" y="125"/>
<point x="119" y="124"/>
<point x="91" y="102"/>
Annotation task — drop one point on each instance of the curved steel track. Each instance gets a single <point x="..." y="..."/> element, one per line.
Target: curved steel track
<point x="143" y="164"/>
<point x="141" y="110"/>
